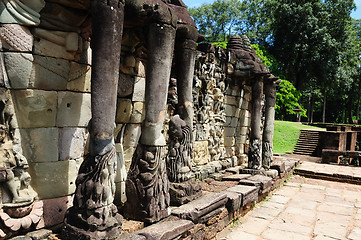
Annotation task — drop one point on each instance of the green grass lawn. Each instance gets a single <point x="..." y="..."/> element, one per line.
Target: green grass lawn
<point x="286" y="135"/>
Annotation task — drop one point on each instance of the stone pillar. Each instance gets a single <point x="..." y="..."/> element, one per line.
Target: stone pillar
<point x="185" y="60"/>
<point x="147" y="185"/>
<point x="267" y="142"/>
<point x="255" y="145"/>
<point x="93" y="215"/>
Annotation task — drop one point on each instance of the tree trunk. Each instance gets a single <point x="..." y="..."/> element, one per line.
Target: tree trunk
<point x="312" y="108"/>
<point x="324" y="106"/>
<point x="358" y="109"/>
<point x="255" y="151"/>
<point x="350" y="107"/>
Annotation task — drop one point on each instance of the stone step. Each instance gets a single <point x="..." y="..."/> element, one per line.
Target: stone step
<point x="240" y="195"/>
<point x="161" y="231"/>
<point x="236" y="177"/>
<point x="201" y="206"/>
<point x="261" y="181"/>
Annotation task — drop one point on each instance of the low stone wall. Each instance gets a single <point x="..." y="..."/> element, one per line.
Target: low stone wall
<point x="222" y="203"/>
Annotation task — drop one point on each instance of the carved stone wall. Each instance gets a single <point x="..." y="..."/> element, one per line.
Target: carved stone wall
<point x="45" y="69"/>
<point x="45" y="72"/>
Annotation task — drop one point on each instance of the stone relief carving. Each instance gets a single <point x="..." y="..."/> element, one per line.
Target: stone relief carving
<point x="23" y="12"/>
<point x="179" y="162"/>
<point x="16" y="195"/>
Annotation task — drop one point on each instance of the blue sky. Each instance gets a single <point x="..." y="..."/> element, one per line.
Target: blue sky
<point x="196" y="3"/>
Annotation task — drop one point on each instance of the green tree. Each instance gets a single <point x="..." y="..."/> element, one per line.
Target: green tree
<point x="217" y="21"/>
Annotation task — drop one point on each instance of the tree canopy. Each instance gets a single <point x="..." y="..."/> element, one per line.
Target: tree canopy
<point x="315" y="45"/>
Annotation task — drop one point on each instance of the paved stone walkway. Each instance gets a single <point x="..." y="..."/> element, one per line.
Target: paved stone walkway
<point x="330" y="170"/>
<point x="303" y="209"/>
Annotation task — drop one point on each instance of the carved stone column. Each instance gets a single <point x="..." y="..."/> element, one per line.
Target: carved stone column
<point x="94" y="216"/>
<point x="255" y="145"/>
<point x="267" y="142"/>
<point x="147" y="185"/>
<point x="179" y="162"/>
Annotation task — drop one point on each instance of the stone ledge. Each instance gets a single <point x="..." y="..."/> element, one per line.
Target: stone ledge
<point x="207" y="215"/>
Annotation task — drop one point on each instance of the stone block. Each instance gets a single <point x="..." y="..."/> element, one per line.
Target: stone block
<point x="140" y="69"/>
<point x="138" y="113"/>
<point x="230" y="100"/>
<point x="35" y="108"/>
<point x="230" y="110"/>
<point x="235" y="177"/>
<point x="234" y="122"/>
<point x="125" y="85"/>
<point x="226" y="163"/>
<point x="184" y="192"/>
<point x="244" y="105"/>
<point x="201" y="206"/>
<point x="124" y="110"/>
<point x="130" y="226"/>
<point x="18" y="68"/>
<point x="54" y="210"/>
<point x="217" y="165"/>
<point x="40" y="144"/>
<point x="244" y="130"/>
<point x="73" y="109"/>
<point x="242" y="139"/>
<point x="242" y="159"/>
<point x="239" y="102"/>
<point x="217" y="176"/>
<point x="245" y="122"/>
<point x="230" y="152"/>
<point x="132" y="135"/>
<point x="57" y="44"/>
<point x="139" y="90"/>
<point x="234" y="201"/>
<point x="200" y="152"/>
<point x="239" y="148"/>
<point x="50" y="73"/>
<point x="236" y="91"/>
<point x="248" y="193"/>
<point x="272" y="173"/>
<point x="228" y="122"/>
<point x="79" y="77"/>
<point x="172" y="229"/>
<point x="229" y="141"/>
<point x="72" y="142"/>
<point x="53" y="179"/>
<point x="233" y="170"/>
<point x="229" y="131"/>
<point x="258" y="180"/>
<point x="279" y="166"/>
<point x="207" y="218"/>
<point x="14" y="37"/>
<point x="39" y="234"/>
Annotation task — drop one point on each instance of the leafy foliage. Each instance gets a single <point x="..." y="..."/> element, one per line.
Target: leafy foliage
<point x="217" y="21"/>
<point x="314" y="44"/>
<point x="287" y="98"/>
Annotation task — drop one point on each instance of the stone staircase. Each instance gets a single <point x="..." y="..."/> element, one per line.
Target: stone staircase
<point x="307" y="143"/>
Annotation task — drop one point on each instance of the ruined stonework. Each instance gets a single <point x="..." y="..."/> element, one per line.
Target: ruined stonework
<point x="148" y="185"/>
<point x="179" y="161"/>
<point x="93" y="214"/>
<point x="183" y="188"/>
<point x="19" y="212"/>
<point x="182" y="111"/>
